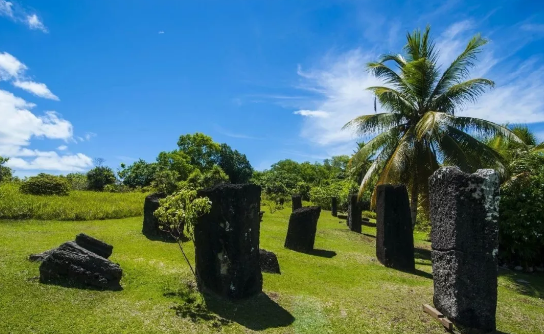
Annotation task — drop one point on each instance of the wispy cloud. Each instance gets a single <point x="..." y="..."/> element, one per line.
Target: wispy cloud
<point x="62" y="148"/>
<point x="17" y="13"/>
<point x="228" y="133"/>
<point x="161" y="32"/>
<point x="340" y="83"/>
<point x="11" y="69"/>
<point x="533" y="27"/>
<point x="36" y="88"/>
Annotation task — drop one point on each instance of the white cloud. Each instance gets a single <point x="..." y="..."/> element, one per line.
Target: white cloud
<point x="53" y="162"/>
<point x="5" y="8"/>
<point x="89" y="135"/>
<point x="533" y="27"/>
<point x="10" y="67"/>
<point x="312" y="113"/>
<point x="34" y="23"/>
<point x="341" y="83"/>
<point x="17" y="13"/>
<point x="161" y="32"/>
<point x="36" y="88"/>
<point x="20" y="125"/>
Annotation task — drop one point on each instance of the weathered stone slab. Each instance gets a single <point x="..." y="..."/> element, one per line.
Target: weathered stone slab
<point x="354" y="214"/>
<point x="269" y="262"/>
<point x="94" y="245"/>
<point x="296" y="202"/>
<point x="39" y="257"/>
<point x="394" y="236"/>
<point x="151" y="223"/>
<point x="227" y="241"/>
<point x="302" y="229"/>
<point x="464" y="235"/>
<point x="334" y="206"/>
<point x="75" y="264"/>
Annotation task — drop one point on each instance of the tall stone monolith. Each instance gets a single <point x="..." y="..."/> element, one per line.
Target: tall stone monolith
<point x="394" y="236"/>
<point x="464" y="212"/>
<point x="302" y="229"/>
<point x="151" y="223"/>
<point x="354" y="214"/>
<point x="296" y="202"/>
<point x="227" y="241"/>
<point x="334" y="206"/>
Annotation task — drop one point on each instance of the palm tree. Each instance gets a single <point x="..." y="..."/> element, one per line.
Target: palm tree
<point x="518" y="156"/>
<point x="419" y="132"/>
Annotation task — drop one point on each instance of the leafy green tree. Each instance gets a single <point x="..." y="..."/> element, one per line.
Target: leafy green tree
<point x="5" y="172"/>
<point x="234" y="164"/>
<point x="99" y="177"/>
<point x="77" y="181"/>
<point x="139" y="174"/>
<point x="165" y="181"/>
<point x="420" y="129"/>
<point x="178" y="214"/>
<point x="176" y="161"/>
<point x="201" y="150"/>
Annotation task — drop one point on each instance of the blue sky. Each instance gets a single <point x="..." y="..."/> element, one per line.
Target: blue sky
<point x="121" y="80"/>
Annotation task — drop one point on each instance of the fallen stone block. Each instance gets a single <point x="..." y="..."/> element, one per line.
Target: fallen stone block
<point x="269" y="262"/>
<point x="302" y="229"/>
<point x="94" y="245"/>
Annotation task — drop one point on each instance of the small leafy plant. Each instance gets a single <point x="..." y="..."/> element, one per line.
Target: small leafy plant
<point x="45" y="184"/>
<point x="178" y="214"/>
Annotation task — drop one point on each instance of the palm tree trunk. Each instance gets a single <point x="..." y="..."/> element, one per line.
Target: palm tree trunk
<point x="414" y="202"/>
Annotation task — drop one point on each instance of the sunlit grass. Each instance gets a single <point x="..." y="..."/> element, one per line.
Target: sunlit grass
<point x="347" y="293"/>
<point x="79" y="205"/>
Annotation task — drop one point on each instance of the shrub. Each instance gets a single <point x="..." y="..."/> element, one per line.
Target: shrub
<point x="321" y="196"/>
<point x="77" y="181"/>
<point x="99" y="177"/>
<point x="45" y="184"/>
<point x="117" y="188"/>
<point x="369" y="214"/>
<point x="521" y="230"/>
<point x="165" y="181"/>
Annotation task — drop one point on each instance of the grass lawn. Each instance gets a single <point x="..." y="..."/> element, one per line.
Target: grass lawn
<point x="340" y="289"/>
<point x="78" y="205"/>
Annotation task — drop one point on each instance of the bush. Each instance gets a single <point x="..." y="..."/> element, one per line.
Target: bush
<point x="521" y="230"/>
<point x="99" y="177"/>
<point x="369" y="214"/>
<point x="117" y="188"/>
<point x="321" y="196"/>
<point x="77" y="181"/>
<point x="45" y="184"/>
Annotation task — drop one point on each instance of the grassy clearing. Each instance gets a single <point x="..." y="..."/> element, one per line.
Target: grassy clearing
<point x="340" y="289"/>
<point x="79" y="205"/>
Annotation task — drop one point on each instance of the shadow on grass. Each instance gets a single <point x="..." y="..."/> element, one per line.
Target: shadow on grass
<point x="369" y="235"/>
<point x="369" y="224"/>
<point x="256" y="313"/>
<point x="163" y="237"/>
<point x="322" y="253"/>
<point x="423" y="254"/>
<point x="531" y="285"/>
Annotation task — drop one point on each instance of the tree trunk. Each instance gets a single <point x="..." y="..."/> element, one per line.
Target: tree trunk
<point x="413" y="203"/>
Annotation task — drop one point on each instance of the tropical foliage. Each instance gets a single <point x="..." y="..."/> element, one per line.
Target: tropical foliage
<point x="419" y="129"/>
<point x="45" y="184"/>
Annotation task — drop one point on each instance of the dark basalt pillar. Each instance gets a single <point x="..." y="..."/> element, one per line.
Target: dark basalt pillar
<point x="302" y="228"/>
<point x="269" y="262"/>
<point x="354" y="214"/>
<point x="296" y="202"/>
<point x="151" y="223"/>
<point x="75" y="264"/>
<point x="96" y="246"/>
<point x="464" y="234"/>
<point x="227" y="241"/>
<point x="394" y="236"/>
<point x="334" y="206"/>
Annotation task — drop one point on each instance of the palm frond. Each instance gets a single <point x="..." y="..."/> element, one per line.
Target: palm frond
<point x="375" y="123"/>
<point x="459" y="94"/>
<point x="393" y="100"/>
<point x="459" y="69"/>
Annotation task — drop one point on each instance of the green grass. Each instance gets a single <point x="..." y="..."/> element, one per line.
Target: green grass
<point x="79" y="205"/>
<point x="346" y="293"/>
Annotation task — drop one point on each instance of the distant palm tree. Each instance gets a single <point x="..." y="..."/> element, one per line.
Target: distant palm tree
<point x="420" y="131"/>
<point x="518" y="156"/>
